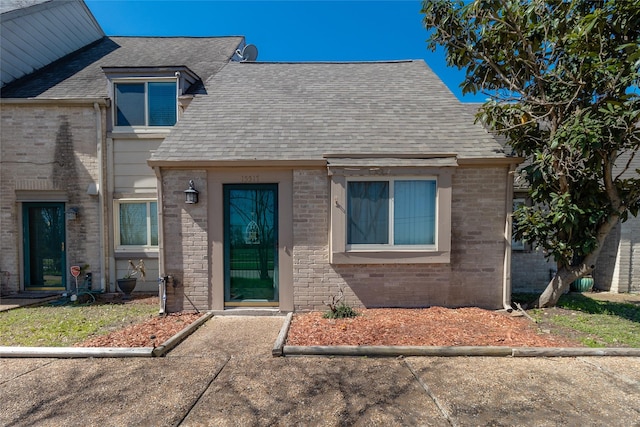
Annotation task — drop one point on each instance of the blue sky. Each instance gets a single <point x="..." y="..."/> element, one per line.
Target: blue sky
<point x="289" y="30"/>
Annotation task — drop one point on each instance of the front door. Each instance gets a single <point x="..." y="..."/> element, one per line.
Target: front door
<point x="251" y="244"/>
<point x="44" y="246"/>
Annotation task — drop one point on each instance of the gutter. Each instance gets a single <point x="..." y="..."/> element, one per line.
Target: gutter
<point x="508" y="230"/>
<point x="256" y="163"/>
<point x="66" y="101"/>
<point x="101" y="187"/>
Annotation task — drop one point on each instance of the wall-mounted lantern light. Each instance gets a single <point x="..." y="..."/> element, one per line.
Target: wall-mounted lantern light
<point x="191" y="194"/>
<point x="72" y="213"/>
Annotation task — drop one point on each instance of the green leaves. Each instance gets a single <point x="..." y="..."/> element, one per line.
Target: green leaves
<point x="563" y="77"/>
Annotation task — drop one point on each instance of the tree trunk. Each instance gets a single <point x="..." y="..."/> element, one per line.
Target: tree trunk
<point x="556" y="287"/>
<point x="561" y="281"/>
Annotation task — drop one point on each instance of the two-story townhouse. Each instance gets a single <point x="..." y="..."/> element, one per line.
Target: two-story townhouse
<point x="77" y="129"/>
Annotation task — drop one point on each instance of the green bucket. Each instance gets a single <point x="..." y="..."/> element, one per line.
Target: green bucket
<point x="583" y="284"/>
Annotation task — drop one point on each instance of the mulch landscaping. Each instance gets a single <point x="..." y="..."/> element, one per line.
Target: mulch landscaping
<point x="434" y="326"/>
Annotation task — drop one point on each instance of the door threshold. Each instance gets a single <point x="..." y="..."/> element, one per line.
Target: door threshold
<point x="249" y="311"/>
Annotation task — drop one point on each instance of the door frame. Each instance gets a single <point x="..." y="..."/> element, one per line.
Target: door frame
<point x="216" y="178"/>
<point x="227" y="188"/>
<point x="26" y="246"/>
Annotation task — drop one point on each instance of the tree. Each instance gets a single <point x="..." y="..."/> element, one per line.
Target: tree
<point x="562" y="77"/>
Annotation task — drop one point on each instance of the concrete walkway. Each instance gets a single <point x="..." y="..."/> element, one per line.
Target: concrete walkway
<point x="224" y="374"/>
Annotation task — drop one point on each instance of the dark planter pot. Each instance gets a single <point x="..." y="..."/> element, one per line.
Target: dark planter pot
<point x="583" y="284"/>
<point x="127" y="286"/>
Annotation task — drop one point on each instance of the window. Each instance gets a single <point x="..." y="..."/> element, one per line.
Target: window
<point x="395" y="212"/>
<point x="396" y="215"/>
<point x="137" y="224"/>
<point x="145" y="104"/>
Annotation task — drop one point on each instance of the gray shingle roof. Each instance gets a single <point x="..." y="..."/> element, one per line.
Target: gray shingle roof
<point x="80" y="75"/>
<point x="300" y="111"/>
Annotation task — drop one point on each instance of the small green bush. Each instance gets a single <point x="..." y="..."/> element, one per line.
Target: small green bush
<point x="341" y="311"/>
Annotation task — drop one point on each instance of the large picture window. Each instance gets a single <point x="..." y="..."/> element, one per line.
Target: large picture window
<point x="137" y="224"/>
<point x="397" y="215"/>
<point x="145" y="104"/>
<point x="394" y="212"/>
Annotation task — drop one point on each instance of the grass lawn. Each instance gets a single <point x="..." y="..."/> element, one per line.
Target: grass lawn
<point x="63" y="326"/>
<point x="592" y="322"/>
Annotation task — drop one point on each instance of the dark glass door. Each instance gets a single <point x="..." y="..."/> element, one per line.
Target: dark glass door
<point x="251" y="244"/>
<point x="44" y="246"/>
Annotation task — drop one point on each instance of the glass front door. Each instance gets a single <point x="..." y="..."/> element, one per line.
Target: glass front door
<point x="44" y="246"/>
<point x="251" y="244"/>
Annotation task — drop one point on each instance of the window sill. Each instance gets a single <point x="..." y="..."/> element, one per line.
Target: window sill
<point x="391" y="257"/>
<point x="130" y="254"/>
<point x="121" y="131"/>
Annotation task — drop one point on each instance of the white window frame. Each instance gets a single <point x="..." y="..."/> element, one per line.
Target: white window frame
<point x="391" y="201"/>
<point x="342" y="253"/>
<point x="146" y="81"/>
<point x="116" y="219"/>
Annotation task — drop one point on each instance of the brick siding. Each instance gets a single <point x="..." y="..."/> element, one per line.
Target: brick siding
<point x="474" y="276"/>
<point x="186" y="241"/>
<point x="48" y="148"/>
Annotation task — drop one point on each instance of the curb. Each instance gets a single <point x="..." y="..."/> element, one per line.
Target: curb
<point x="104" y="352"/>
<point x="491" y="351"/>
<point x="278" y="346"/>
<point x="169" y="344"/>
<point x="282" y="350"/>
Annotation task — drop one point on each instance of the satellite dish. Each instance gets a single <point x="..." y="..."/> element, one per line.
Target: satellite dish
<point x="249" y="53"/>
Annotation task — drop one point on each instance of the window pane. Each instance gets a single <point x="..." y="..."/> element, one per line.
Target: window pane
<point x="162" y="104"/>
<point x="154" y="223"/>
<point x="414" y="213"/>
<point x="368" y="212"/>
<point x="129" y="104"/>
<point x="133" y="224"/>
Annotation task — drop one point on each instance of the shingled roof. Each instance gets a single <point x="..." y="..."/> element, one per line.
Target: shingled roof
<point x="302" y="111"/>
<point x="80" y="74"/>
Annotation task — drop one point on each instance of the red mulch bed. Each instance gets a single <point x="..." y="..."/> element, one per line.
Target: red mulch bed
<point x="139" y="335"/>
<point x="435" y="326"/>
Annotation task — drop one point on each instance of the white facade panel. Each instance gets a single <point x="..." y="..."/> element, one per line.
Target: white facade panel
<point x="33" y="37"/>
<point x="131" y="172"/>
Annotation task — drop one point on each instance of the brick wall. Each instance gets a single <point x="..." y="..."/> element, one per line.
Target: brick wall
<point x="186" y="229"/>
<point x="530" y="271"/>
<point x="48" y="148"/>
<point x="474" y="276"/>
<point x="618" y="267"/>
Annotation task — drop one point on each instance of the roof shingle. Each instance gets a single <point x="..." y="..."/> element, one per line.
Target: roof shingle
<point x="300" y="111"/>
<point x="80" y="75"/>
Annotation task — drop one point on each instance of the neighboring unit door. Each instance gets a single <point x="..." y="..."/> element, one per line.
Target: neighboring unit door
<point x="251" y="244"/>
<point x="44" y="246"/>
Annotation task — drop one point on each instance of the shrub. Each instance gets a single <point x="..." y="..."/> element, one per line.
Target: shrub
<point x="341" y="311"/>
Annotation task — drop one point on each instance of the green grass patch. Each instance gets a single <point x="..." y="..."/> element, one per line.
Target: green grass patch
<point x="596" y="323"/>
<point x="63" y="326"/>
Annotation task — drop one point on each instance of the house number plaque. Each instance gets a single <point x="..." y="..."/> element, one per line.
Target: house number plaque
<point x="248" y="179"/>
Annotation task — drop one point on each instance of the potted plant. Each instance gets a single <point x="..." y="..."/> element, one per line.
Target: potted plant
<point x="128" y="283"/>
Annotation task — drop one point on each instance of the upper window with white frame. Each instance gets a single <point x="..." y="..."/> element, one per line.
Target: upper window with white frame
<point x="145" y="103"/>
<point x="395" y="212"/>
<point x="136" y="224"/>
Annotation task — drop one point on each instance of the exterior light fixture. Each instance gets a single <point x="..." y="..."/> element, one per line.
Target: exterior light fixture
<point x="191" y="194"/>
<point x="72" y="213"/>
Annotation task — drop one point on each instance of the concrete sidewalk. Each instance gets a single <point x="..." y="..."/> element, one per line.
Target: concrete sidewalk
<point x="224" y="374"/>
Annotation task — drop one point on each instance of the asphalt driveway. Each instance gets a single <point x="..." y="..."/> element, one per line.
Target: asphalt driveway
<point x="224" y="374"/>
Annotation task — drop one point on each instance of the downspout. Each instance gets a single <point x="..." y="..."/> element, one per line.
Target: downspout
<point x="101" y="187"/>
<point x="508" y="230"/>
<point x="162" y="291"/>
